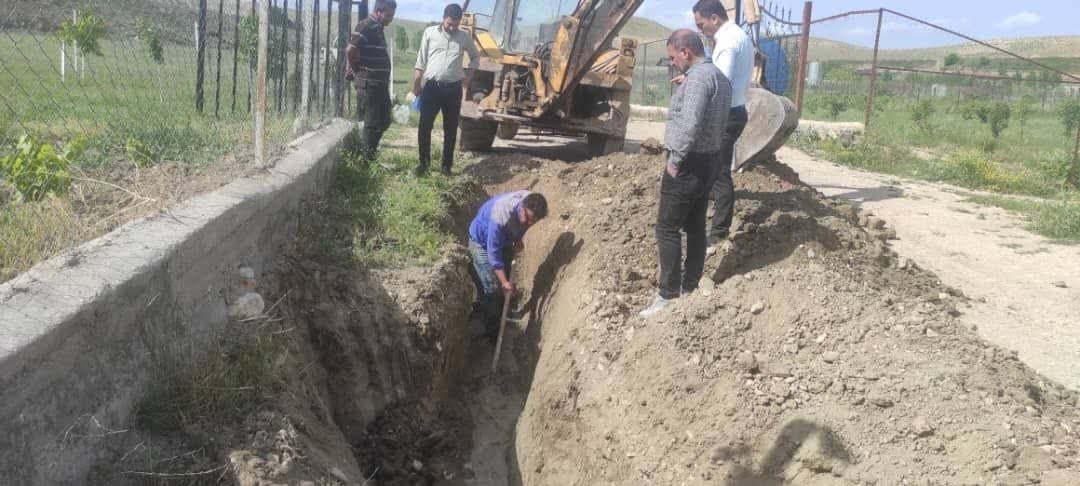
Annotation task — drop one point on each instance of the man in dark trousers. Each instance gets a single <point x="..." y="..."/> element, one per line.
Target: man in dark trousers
<point x="441" y="80"/>
<point x="699" y="110"/>
<point x="495" y="235"/>
<point x="369" y="69"/>
<point x="733" y="55"/>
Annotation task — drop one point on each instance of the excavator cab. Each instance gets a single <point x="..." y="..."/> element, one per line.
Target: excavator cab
<point x="550" y="66"/>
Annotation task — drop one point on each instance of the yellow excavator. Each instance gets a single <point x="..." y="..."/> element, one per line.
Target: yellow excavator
<point x="550" y="65"/>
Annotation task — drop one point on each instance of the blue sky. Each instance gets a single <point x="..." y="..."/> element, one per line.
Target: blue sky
<point x="986" y="19"/>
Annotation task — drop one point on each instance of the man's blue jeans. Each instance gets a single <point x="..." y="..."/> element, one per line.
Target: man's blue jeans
<point x="487" y="284"/>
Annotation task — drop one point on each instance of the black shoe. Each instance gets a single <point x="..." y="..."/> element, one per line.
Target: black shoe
<point x="420" y="171"/>
<point x="446" y="171"/>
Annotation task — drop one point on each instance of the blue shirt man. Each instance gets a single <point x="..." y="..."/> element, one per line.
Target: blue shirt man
<point x="494" y="235"/>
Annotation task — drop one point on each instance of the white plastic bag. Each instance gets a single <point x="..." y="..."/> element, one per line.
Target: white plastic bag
<point x="401" y="114"/>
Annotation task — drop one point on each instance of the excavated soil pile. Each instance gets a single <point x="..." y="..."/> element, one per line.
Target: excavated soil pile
<point x="812" y="355"/>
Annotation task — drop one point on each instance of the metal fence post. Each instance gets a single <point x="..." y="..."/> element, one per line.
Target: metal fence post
<point x="260" y="84"/>
<point x="217" y="83"/>
<point x="200" y="67"/>
<point x="235" y="53"/>
<point x="873" y="73"/>
<point x="305" y="82"/>
<point x="804" y="48"/>
<point x="645" y="75"/>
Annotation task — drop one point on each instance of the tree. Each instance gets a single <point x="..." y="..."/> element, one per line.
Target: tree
<point x="832" y="103"/>
<point x="921" y="115"/>
<point x="418" y="38"/>
<point x="401" y="39"/>
<point x="1070" y="118"/>
<point x="149" y="35"/>
<point x="983" y="63"/>
<point x="995" y="115"/>
<point x="249" y="43"/>
<point x="1024" y="110"/>
<point x="952" y="60"/>
<point x="87" y="31"/>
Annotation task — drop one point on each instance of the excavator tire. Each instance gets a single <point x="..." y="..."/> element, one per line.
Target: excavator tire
<point x="477" y="135"/>
<point x="601" y="145"/>
<point x="507" y="131"/>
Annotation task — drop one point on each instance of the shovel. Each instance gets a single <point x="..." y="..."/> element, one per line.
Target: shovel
<point x="502" y="331"/>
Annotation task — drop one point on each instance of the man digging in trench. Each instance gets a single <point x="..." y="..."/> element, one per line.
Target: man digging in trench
<point x="495" y="236"/>
<point x="699" y="110"/>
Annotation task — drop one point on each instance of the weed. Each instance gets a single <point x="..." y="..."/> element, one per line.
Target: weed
<point x="33" y="231"/>
<point x="219" y="389"/>
<point x="37" y="170"/>
<point x="1059" y="220"/>
<point x="974" y="170"/>
<point x="141" y="154"/>
<point x="921" y="115"/>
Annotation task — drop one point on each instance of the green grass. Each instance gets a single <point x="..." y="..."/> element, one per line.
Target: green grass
<point x="1032" y="163"/>
<point x="228" y="383"/>
<point x="380" y="214"/>
<point x="1059" y="220"/>
<point x="125" y="96"/>
<point x="32" y="232"/>
<point x="125" y="99"/>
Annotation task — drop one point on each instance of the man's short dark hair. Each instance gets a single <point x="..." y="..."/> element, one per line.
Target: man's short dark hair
<point x="708" y="8"/>
<point x="687" y="39"/>
<point x="384" y="5"/>
<point x="536" y="203"/>
<point x="453" y="11"/>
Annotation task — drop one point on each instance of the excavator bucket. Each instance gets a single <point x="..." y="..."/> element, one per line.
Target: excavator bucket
<point x="772" y="121"/>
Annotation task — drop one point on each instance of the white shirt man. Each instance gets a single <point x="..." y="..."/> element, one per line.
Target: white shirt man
<point x="733" y="53"/>
<point x="441" y="81"/>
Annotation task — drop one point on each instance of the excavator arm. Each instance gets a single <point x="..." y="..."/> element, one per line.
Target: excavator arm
<point x="581" y="39"/>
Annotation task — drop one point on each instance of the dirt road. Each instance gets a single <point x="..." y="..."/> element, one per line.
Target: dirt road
<point x="1013" y="275"/>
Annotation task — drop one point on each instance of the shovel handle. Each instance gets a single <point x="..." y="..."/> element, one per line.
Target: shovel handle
<point x="502" y="330"/>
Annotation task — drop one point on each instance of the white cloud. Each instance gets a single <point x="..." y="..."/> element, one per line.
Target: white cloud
<point x="857" y="31"/>
<point x="1022" y="19"/>
<point x="891" y="26"/>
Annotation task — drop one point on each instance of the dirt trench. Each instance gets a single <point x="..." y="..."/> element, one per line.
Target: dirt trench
<point x="810" y="354"/>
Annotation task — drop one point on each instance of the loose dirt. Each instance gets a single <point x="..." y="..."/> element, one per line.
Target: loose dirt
<point x="1014" y="276"/>
<point x="815" y="355"/>
<point x="812" y="354"/>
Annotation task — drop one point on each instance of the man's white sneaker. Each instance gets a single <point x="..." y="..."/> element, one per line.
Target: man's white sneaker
<point x="658" y="306"/>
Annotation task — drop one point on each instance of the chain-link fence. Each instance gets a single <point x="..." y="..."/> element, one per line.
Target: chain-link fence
<point x="1009" y="108"/>
<point x="775" y="34"/>
<point x="110" y="109"/>
<point x="172" y="80"/>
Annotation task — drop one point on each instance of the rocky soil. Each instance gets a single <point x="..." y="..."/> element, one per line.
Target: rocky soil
<point x="812" y="354"/>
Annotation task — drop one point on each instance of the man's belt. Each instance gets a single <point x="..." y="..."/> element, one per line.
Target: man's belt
<point x="444" y="84"/>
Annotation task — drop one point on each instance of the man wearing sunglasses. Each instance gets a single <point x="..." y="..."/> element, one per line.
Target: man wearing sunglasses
<point x="495" y="236"/>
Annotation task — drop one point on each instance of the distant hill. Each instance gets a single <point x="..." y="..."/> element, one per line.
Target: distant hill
<point x="645" y="30"/>
<point x="638" y="28"/>
<point x="174" y="18"/>
<point x="1036" y="47"/>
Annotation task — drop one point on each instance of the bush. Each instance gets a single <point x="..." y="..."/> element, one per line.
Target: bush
<point x="87" y="32"/>
<point x="832" y="104"/>
<point x="973" y="169"/>
<point x="921" y="115"/>
<point x="37" y="170"/>
<point x="995" y="115"/>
